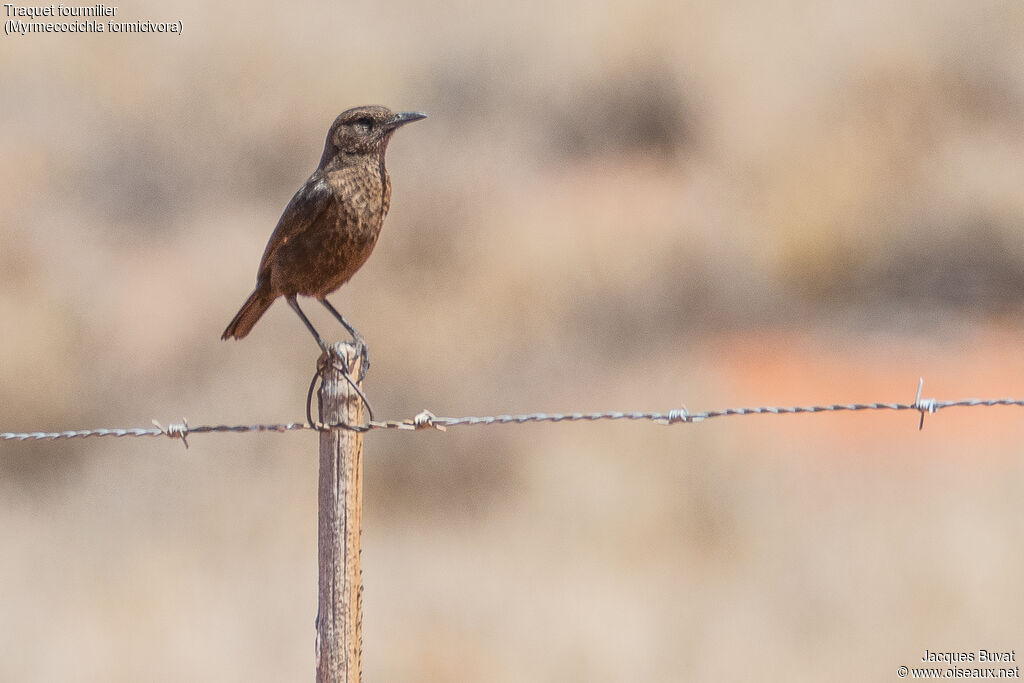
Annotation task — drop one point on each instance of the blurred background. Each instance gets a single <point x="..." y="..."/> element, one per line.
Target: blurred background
<point x="613" y="205"/>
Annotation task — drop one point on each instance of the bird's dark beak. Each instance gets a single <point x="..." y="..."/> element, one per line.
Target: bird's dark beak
<point x="405" y="117"/>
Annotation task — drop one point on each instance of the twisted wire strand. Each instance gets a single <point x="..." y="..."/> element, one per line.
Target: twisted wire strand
<point x="427" y="420"/>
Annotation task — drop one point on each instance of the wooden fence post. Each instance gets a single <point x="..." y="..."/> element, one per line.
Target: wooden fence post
<point x="339" y="628"/>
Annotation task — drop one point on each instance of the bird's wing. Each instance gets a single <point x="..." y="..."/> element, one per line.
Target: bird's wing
<point x="311" y="201"/>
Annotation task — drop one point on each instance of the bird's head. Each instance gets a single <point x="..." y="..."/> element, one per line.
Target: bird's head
<point x="364" y="131"/>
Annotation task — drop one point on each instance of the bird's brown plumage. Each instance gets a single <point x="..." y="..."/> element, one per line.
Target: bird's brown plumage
<point x="331" y="225"/>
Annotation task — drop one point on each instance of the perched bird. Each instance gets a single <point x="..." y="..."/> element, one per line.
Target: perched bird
<point x="331" y="225"/>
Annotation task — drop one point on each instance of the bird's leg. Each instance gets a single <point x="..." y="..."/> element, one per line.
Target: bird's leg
<point x="363" y="349"/>
<point x="294" y="303"/>
<point x="325" y="358"/>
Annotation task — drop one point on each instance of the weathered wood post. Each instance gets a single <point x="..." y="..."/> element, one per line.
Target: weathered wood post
<point x="339" y="633"/>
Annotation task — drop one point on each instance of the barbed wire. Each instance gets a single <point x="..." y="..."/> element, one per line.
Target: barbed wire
<point x="427" y="420"/>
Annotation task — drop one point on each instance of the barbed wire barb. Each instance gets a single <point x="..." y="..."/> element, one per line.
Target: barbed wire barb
<point x="928" y="405"/>
<point x="428" y="420"/>
<point x="175" y="431"/>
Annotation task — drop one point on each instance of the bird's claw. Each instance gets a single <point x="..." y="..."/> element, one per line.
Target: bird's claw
<point x="362" y="353"/>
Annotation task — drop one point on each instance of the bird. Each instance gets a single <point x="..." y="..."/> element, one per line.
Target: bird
<point x="330" y="227"/>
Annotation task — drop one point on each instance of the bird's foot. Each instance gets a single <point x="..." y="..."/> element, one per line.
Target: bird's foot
<point x="331" y="356"/>
<point x="363" y="354"/>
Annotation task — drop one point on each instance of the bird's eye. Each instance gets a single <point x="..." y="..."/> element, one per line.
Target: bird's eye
<point x="364" y="124"/>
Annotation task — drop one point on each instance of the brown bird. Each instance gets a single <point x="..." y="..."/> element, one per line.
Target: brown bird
<point x="331" y="225"/>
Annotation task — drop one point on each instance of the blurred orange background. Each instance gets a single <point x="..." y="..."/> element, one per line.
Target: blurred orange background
<point x="613" y="206"/>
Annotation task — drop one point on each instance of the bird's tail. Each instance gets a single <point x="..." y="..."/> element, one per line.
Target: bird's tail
<point x="253" y="308"/>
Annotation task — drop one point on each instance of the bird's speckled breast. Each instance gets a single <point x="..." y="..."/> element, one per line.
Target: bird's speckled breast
<point x="361" y="203"/>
